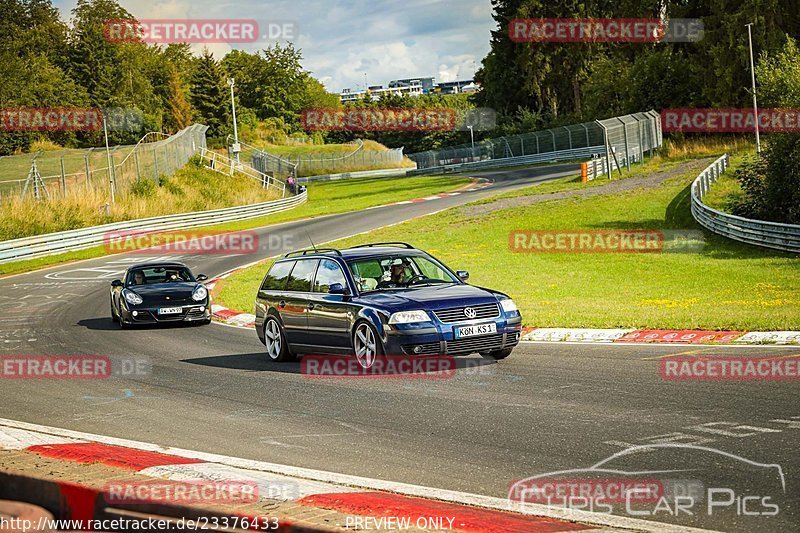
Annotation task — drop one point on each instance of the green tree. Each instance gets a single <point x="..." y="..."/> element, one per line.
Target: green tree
<point x="210" y="97"/>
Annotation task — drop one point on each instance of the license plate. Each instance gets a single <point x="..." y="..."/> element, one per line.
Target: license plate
<point x="169" y="310"/>
<point x="478" y="329"/>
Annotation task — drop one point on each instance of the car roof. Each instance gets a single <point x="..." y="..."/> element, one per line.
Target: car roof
<point x="157" y="264"/>
<point x="359" y="253"/>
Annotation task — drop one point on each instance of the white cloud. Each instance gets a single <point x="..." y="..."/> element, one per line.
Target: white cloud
<point x="342" y="39"/>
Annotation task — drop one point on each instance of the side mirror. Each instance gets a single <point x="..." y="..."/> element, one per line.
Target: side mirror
<point x="463" y="275"/>
<point x="116" y="283"/>
<point x="338" y="288"/>
<point x="201" y="277"/>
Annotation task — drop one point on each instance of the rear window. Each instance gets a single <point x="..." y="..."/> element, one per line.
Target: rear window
<point x="277" y="276"/>
<point x="302" y="274"/>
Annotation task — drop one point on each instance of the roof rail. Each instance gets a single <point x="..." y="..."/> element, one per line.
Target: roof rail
<point x="370" y="245"/>
<point x="314" y="251"/>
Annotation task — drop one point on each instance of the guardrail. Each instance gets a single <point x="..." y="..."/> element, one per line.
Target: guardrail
<point x="785" y="237"/>
<point x="79" y="239"/>
<point x="386" y="173"/>
<point x="546" y="157"/>
<point x="597" y="166"/>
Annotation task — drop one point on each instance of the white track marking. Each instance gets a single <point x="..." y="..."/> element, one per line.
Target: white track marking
<point x="346" y="480"/>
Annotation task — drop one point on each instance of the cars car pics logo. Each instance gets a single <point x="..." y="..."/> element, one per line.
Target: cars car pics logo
<point x="188" y="242"/>
<point x="389" y="366"/>
<point x="151" y="491"/>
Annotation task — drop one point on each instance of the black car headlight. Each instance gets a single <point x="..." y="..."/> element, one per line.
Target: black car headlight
<point x="199" y="293"/>
<point x="131" y="297"/>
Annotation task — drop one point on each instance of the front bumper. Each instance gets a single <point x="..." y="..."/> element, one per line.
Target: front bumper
<point x="150" y="315"/>
<point x="437" y="338"/>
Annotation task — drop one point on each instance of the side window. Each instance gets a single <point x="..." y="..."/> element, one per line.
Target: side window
<point x="302" y="274"/>
<point x="328" y="273"/>
<point x="277" y="276"/>
<point x="431" y="270"/>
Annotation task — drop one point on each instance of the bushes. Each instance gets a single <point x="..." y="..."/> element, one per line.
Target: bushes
<point x="143" y="188"/>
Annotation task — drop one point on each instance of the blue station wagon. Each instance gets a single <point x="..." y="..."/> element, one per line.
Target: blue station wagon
<point x="379" y="299"/>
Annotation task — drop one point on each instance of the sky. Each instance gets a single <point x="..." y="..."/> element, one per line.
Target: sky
<point x="343" y="39"/>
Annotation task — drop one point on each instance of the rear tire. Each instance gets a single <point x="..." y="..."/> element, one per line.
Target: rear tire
<point x="498" y="354"/>
<point x="275" y="341"/>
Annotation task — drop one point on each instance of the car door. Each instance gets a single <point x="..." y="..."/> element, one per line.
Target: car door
<point x="294" y="305"/>
<point x="272" y="290"/>
<point x="329" y="315"/>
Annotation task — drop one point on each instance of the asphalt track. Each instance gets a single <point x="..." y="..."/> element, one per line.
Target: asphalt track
<point x="549" y="407"/>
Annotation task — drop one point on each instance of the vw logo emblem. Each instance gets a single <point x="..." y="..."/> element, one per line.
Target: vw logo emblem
<point x="470" y="312"/>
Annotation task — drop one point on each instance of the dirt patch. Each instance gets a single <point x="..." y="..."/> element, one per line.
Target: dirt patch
<point x="656" y="179"/>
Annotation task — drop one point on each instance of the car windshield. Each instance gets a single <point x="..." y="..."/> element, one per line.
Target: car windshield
<point x="159" y="274"/>
<point x="398" y="271"/>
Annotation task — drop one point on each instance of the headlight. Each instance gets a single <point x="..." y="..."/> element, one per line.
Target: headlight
<point x="408" y="317"/>
<point x="199" y="293"/>
<point x="508" y="305"/>
<point x="131" y="297"/>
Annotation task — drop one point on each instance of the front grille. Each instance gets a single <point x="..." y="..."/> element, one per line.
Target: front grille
<point x="456" y="314"/>
<point x="195" y="313"/>
<point x="475" y="344"/>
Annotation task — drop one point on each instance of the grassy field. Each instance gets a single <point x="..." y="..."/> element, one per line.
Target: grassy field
<point x="726" y="285"/>
<point x="324" y="199"/>
<point x="193" y="188"/>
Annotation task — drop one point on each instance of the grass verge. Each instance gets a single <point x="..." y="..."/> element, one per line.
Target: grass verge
<point x="727" y="285"/>
<point x="323" y="199"/>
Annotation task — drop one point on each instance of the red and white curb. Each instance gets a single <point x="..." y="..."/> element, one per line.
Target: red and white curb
<point x="315" y="488"/>
<point x="660" y="336"/>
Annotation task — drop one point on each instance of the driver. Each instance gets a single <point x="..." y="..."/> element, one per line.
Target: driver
<point x="399" y="271"/>
<point x="138" y="278"/>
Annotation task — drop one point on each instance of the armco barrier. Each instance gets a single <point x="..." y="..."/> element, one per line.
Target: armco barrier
<point x="385" y="173"/>
<point x="785" y="237"/>
<point x="547" y="157"/>
<point x="65" y="241"/>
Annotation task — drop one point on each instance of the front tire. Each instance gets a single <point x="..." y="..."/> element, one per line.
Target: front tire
<point x="498" y="354"/>
<point x="275" y="341"/>
<point x="114" y="315"/>
<point x="366" y="344"/>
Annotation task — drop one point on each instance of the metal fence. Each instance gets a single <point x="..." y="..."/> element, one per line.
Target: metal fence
<point x="319" y="163"/>
<point x="63" y="172"/>
<point x="625" y="138"/>
<point x="785" y="237"/>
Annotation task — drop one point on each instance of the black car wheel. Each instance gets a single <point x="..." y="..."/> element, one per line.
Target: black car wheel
<point x="498" y="354"/>
<point x="275" y="340"/>
<point x="366" y="344"/>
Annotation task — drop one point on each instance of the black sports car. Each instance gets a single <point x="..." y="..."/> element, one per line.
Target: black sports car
<point x="153" y="293"/>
